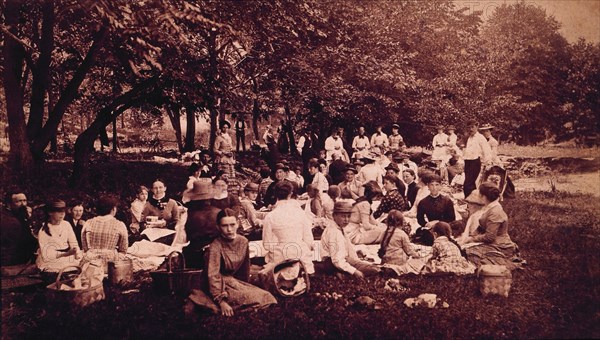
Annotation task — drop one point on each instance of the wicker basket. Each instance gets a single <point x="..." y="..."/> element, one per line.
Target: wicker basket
<point x="176" y="281"/>
<point x="494" y="280"/>
<point x="276" y="282"/>
<point x="80" y="297"/>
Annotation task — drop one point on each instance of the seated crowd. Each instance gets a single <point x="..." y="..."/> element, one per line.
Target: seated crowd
<point x="380" y="196"/>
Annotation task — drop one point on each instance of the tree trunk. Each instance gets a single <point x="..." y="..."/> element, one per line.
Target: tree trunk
<point x="174" y="113"/>
<point x="255" y="110"/>
<point x="211" y="86"/>
<point x="20" y="157"/>
<point x="85" y="141"/>
<point x="40" y="72"/>
<point x="115" y="146"/>
<point x="68" y="95"/>
<point x="290" y="130"/>
<point x="190" y="130"/>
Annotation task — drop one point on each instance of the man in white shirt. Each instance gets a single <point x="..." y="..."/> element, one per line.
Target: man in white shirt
<point x="360" y="144"/>
<point x="477" y="152"/>
<point x="339" y="253"/>
<point x="486" y="131"/>
<point x="333" y="144"/>
<point x="380" y="139"/>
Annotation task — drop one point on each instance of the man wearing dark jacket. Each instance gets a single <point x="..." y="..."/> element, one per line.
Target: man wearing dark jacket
<point x="17" y="241"/>
<point x="201" y="225"/>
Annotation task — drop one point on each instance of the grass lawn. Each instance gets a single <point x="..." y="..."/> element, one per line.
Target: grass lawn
<point x="556" y="296"/>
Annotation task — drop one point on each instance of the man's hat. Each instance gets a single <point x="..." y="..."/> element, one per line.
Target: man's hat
<point x="393" y="166"/>
<point x="486" y="127"/>
<point x="342" y="207"/>
<point x="450" y="127"/>
<point x="282" y="167"/>
<point x="395" y="126"/>
<point x="251" y="186"/>
<point x="202" y="190"/>
<point x="225" y="122"/>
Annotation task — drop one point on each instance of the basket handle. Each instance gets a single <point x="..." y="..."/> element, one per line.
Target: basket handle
<point x="170" y="257"/>
<point x="60" y="273"/>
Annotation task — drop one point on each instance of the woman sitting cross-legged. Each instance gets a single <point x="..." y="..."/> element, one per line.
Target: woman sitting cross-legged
<point x="446" y="255"/>
<point x="396" y="252"/>
<point x="492" y="242"/>
<point x="228" y="270"/>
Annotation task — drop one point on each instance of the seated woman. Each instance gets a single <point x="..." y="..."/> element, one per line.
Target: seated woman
<point x="393" y="199"/>
<point x="363" y="228"/>
<point x="494" y="245"/>
<point x="137" y="206"/>
<point x="435" y="207"/>
<point x="76" y="220"/>
<point x="396" y="252"/>
<point x="408" y="175"/>
<point x="446" y="257"/>
<point x="475" y="204"/>
<point x="194" y="174"/>
<point x="223" y="198"/>
<point x="228" y="270"/>
<point x="425" y="176"/>
<point x="164" y="208"/>
<point x="104" y="237"/>
<point x="58" y="244"/>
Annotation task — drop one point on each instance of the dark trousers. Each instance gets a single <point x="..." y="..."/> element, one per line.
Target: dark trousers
<point x="472" y="169"/>
<point x="240" y="138"/>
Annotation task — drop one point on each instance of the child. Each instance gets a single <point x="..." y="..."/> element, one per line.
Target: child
<point x="396" y="252"/>
<point x="446" y="255"/>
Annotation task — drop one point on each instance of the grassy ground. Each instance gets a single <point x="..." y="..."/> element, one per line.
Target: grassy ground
<point x="556" y="296"/>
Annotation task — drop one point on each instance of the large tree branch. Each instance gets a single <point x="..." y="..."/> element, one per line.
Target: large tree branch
<point x="21" y="42"/>
<point x="39" y="85"/>
<point x="69" y="93"/>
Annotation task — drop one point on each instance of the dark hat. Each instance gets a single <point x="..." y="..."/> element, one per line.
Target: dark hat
<point x="342" y="207"/>
<point x="194" y="167"/>
<point x="388" y="152"/>
<point x="450" y="127"/>
<point x="202" y="190"/>
<point x="282" y="167"/>
<point x="393" y="166"/>
<point x="486" y="127"/>
<point x="225" y="122"/>
<point x="396" y="126"/>
<point x="251" y="186"/>
<point x="359" y="162"/>
<point x="351" y="168"/>
<point x="440" y="127"/>
<point x="56" y="205"/>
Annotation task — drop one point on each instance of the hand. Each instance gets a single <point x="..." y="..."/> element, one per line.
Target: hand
<point x="430" y="224"/>
<point x="226" y="309"/>
<point x="78" y="254"/>
<point x="359" y="274"/>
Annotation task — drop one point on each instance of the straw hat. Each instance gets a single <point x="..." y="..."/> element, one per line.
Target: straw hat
<point x="486" y="127"/>
<point x="202" y="190"/>
<point x="342" y="207"/>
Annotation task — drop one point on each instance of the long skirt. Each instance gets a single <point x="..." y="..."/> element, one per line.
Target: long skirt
<point x="241" y="296"/>
<point x="500" y="254"/>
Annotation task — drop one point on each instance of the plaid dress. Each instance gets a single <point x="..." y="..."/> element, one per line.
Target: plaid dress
<point x="104" y="237"/>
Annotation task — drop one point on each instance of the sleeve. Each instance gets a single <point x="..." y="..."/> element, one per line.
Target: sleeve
<point x="175" y="214"/>
<point x="84" y="230"/>
<point x="421" y="213"/>
<point x="307" y="235"/>
<point x="71" y="238"/>
<point x="354" y="146"/>
<point x="435" y="251"/>
<point x="48" y="247"/>
<point x="372" y="142"/>
<point x="267" y="234"/>
<point x="329" y="144"/>
<point x="145" y="213"/>
<point x="244" y="271"/>
<point x="123" y="239"/>
<point x="386" y="142"/>
<point x="217" y="146"/>
<point x="486" y="151"/>
<point x="317" y="208"/>
<point x="406" y="245"/>
<point x="216" y="285"/>
<point x="493" y="221"/>
<point x="365" y="215"/>
<point x="383" y="207"/>
<point x="338" y="253"/>
<point x="450" y="210"/>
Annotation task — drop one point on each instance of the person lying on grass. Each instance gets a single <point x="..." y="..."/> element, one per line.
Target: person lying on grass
<point x="339" y="254"/>
<point x="228" y="271"/>
<point x="396" y="252"/>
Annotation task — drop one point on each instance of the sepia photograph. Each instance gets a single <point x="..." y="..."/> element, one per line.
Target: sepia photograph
<point x="299" y="169"/>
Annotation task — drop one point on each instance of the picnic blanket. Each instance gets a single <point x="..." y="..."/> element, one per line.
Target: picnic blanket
<point x="148" y="255"/>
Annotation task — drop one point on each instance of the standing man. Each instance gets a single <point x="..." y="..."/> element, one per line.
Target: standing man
<point x="17" y="241"/>
<point x="477" y="152"/>
<point x="360" y="144"/>
<point x="333" y="144"/>
<point x="395" y="139"/>
<point x="380" y="139"/>
<point x="486" y="131"/>
<point x="240" y="133"/>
